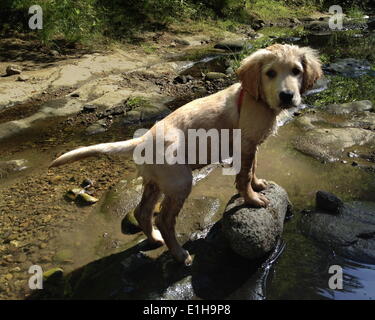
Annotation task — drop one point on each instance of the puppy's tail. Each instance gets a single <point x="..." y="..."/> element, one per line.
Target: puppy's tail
<point x="121" y="147"/>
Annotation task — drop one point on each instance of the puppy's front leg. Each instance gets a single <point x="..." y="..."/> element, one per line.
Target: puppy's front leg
<point x="245" y="177"/>
<point x="256" y="183"/>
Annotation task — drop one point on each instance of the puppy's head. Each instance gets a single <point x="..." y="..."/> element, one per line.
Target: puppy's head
<point x="279" y="74"/>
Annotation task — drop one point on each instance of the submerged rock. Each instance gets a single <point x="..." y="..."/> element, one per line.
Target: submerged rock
<point x="133" y="116"/>
<point x="7" y="167"/>
<point x="98" y="127"/>
<point x="351" y="233"/>
<point x="253" y="232"/>
<point x="63" y="256"/>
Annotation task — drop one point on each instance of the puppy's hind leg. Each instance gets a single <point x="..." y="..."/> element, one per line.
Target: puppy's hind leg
<point x="166" y="221"/>
<point x="145" y="210"/>
<point x="176" y="186"/>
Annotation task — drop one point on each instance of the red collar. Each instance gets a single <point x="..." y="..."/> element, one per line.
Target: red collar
<point x="240" y="100"/>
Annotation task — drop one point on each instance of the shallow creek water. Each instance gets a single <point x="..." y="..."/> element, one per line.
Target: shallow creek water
<point x="302" y="270"/>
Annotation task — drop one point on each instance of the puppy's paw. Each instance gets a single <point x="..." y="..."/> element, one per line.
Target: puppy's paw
<point x="183" y="256"/>
<point x="256" y="200"/>
<point x="259" y="184"/>
<point x="156" y="238"/>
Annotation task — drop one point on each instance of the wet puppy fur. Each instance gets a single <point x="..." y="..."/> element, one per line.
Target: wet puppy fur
<point x="273" y="79"/>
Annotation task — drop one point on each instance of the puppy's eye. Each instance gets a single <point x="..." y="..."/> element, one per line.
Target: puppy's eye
<point x="271" y="73"/>
<point x="296" y="71"/>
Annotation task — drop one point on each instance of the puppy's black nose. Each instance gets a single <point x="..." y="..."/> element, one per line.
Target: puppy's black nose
<point x="286" y="96"/>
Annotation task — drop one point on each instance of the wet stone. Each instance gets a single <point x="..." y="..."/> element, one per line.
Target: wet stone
<point x="96" y="128"/>
<point x="349" y="234"/>
<point x="88" y="108"/>
<point x="129" y="224"/>
<point x="253" y="232"/>
<point x="328" y="202"/>
<point x="12" y="70"/>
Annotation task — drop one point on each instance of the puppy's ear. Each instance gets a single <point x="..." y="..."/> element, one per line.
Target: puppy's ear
<point x="249" y="73"/>
<point x="312" y="68"/>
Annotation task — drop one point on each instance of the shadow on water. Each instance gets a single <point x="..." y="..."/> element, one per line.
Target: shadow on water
<point x="216" y="273"/>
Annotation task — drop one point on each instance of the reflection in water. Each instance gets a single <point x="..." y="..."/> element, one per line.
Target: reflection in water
<point x="359" y="282"/>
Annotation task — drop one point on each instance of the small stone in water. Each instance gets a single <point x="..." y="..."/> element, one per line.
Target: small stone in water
<point x="53" y="273"/>
<point x="12" y="70"/>
<point x="86" y="183"/>
<point x="89" y="108"/>
<point x="86" y="198"/>
<point x="72" y="194"/>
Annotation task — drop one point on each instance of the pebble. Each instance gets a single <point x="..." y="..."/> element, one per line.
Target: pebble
<point x="88" y="108"/>
<point x="86" y="198"/>
<point x="12" y="70"/>
<point x="22" y="78"/>
<point x="86" y="183"/>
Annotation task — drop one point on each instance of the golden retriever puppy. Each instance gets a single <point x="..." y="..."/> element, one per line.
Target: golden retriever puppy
<point x="272" y="79"/>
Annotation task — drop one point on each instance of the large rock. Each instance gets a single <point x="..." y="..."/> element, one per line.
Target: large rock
<point x="352" y="115"/>
<point x="350" y="107"/>
<point x="329" y="144"/>
<point x="366" y="120"/>
<point x="350" y="233"/>
<point x="253" y="232"/>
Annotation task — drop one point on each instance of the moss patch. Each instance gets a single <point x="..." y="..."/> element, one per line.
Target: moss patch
<point x="342" y="90"/>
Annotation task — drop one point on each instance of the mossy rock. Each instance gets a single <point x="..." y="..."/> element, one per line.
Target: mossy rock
<point x="129" y="224"/>
<point x="53" y="274"/>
